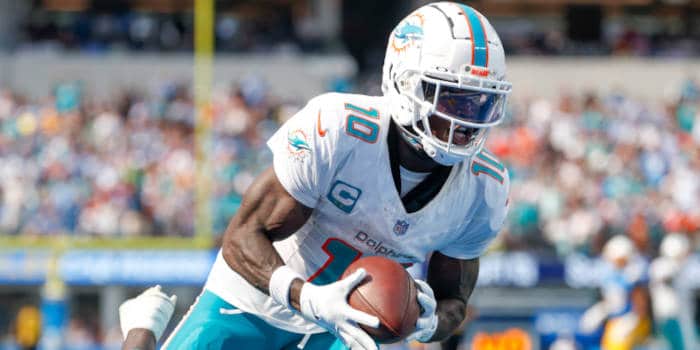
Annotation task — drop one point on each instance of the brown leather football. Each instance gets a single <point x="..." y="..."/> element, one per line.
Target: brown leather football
<point x="389" y="293"/>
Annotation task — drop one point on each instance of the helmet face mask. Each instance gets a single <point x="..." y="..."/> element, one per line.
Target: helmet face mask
<point x="435" y="87"/>
<point x="462" y="104"/>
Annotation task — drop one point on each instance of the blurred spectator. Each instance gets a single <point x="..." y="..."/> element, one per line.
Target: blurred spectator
<point x="79" y="336"/>
<point x="28" y="327"/>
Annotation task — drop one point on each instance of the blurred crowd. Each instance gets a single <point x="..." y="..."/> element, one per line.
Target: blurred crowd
<point x="583" y="167"/>
<point x="125" y="167"/>
<point x="586" y="167"/>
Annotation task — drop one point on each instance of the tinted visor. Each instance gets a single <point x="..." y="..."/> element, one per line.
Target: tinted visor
<point x="470" y="106"/>
<point x="461" y="135"/>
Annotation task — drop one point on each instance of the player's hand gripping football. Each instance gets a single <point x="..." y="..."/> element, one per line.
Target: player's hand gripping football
<point x="328" y="306"/>
<point x="150" y="310"/>
<point x="428" y="321"/>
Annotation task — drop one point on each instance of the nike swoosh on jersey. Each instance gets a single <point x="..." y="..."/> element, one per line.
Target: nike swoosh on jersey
<point x="321" y="132"/>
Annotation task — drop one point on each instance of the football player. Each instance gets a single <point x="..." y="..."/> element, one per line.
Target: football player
<point x="401" y="175"/>
<point x="624" y="309"/>
<point x="666" y="299"/>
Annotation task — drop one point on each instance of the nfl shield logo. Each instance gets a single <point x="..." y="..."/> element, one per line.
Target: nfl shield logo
<point x="401" y="227"/>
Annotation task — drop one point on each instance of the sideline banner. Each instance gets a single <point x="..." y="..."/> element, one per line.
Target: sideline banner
<point x="101" y="267"/>
<point x="190" y="267"/>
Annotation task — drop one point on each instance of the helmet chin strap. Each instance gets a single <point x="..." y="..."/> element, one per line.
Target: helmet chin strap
<point x="441" y="156"/>
<point x="427" y="150"/>
<point x="413" y="141"/>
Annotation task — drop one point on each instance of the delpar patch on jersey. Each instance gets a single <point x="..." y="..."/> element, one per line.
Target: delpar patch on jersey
<point x="298" y="144"/>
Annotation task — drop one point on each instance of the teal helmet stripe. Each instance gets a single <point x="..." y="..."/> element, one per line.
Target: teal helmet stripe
<point x="480" y="45"/>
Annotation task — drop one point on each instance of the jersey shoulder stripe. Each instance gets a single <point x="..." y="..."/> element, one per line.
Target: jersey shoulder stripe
<point x="492" y="180"/>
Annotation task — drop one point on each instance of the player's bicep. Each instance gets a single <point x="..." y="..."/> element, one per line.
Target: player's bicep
<point x="269" y="208"/>
<point x="267" y="213"/>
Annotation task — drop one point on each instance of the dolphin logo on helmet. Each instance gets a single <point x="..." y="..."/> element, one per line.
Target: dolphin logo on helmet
<point x="468" y="91"/>
<point x="407" y="32"/>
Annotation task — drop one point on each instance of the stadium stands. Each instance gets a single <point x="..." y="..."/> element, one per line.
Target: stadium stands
<point x="575" y="161"/>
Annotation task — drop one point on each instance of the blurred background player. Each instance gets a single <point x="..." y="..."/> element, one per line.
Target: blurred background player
<point x="28" y="328"/>
<point x="666" y="302"/>
<point x="624" y="310"/>
<point x="144" y="318"/>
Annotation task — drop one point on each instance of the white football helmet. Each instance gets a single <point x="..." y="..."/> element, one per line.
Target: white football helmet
<point x="675" y="246"/>
<point x="619" y="247"/>
<point x="445" y="61"/>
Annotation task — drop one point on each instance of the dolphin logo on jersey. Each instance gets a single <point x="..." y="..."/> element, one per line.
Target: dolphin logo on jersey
<point x="408" y="32"/>
<point x="298" y="144"/>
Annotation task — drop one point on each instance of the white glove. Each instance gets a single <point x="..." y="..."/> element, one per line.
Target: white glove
<point x="150" y="310"/>
<point x="428" y="321"/>
<point x="328" y="307"/>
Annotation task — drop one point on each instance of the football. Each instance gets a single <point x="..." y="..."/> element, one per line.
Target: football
<point x="389" y="293"/>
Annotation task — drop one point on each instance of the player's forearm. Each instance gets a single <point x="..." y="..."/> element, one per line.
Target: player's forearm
<point x="254" y="258"/>
<point x="268" y="213"/>
<point x="451" y="314"/>
<point x="139" y="339"/>
<point x="453" y="281"/>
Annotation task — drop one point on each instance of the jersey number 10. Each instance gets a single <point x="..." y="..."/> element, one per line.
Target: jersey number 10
<point x="361" y="123"/>
<point x="485" y="163"/>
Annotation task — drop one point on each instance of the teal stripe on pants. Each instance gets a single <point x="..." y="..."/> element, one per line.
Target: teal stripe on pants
<point x="671" y="329"/>
<point x="212" y="323"/>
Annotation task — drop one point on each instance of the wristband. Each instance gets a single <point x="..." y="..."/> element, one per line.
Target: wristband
<point x="280" y="282"/>
<point x="306" y="295"/>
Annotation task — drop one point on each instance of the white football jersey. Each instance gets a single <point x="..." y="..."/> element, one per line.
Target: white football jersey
<point x="333" y="156"/>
